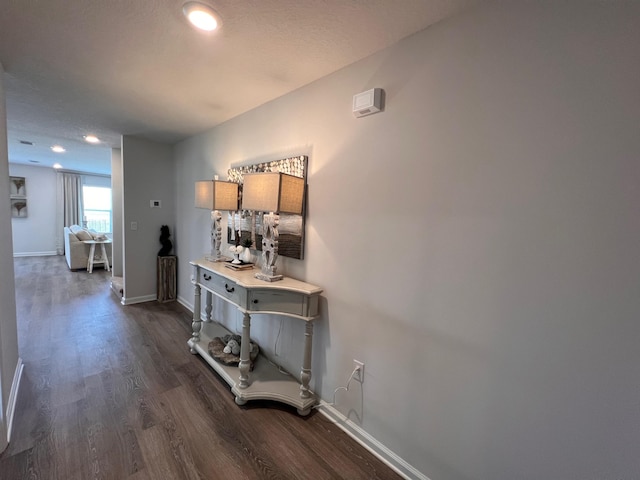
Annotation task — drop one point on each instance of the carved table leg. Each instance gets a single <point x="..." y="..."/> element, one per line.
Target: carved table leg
<point x="196" y="325"/>
<point x="305" y="375"/>
<point x="245" y="361"/>
<point x="207" y="308"/>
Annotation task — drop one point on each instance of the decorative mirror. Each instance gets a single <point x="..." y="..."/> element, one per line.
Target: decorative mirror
<point x="249" y="224"/>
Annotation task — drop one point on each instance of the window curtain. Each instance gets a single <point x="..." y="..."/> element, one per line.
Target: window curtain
<point x="69" y="205"/>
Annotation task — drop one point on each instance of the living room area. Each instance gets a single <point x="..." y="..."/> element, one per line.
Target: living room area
<point x="40" y="228"/>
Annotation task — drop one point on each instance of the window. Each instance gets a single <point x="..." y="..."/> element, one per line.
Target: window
<point x="97" y="208"/>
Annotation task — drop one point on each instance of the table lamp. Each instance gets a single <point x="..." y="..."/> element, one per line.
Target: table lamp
<point x="272" y="192"/>
<point x="216" y="195"/>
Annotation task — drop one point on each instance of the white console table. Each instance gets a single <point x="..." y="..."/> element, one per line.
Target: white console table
<point x="288" y="297"/>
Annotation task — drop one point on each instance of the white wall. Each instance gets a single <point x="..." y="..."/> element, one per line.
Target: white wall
<point x="148" y="174"/>
<point x="497" y="309"/>
<point x="8" y="328"/>
<point x="36" y="234"/>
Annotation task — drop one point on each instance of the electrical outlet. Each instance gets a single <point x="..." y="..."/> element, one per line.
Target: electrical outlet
<point x="358" y="366"/>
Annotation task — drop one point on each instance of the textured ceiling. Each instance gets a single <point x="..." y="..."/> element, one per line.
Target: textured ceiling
<point x="118" y="67"/>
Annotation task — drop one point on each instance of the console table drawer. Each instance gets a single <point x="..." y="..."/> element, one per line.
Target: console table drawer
<point x="222" y="286"/>
<point x="270" y="301"/>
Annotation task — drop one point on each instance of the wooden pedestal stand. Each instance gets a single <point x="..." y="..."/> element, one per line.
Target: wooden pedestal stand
<point x="167" y="278"/>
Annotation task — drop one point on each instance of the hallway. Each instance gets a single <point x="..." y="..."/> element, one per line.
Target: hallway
<point x="112" y="392"/>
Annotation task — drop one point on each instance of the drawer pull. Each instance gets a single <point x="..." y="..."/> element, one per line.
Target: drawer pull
<point x="206" y="277"/>
<point x="229" y="290"/>
<point x="255" y="301"/>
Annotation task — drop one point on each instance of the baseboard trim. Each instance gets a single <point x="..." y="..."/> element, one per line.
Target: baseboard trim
<point x="143" y="299"/>
<point x="393" y="461"/>
<point x="13" y="396"/>
<point x="35" y="254"/>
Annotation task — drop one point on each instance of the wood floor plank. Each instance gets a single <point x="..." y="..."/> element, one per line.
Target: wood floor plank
<point x="112" y="392"/>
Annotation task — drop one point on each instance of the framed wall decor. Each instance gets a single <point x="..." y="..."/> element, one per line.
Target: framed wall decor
<point x="249" y="225"/>
<point x="19" y="207"/>
<point x="18" y="187"/>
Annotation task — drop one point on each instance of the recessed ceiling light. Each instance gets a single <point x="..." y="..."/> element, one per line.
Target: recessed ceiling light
<point x="57" y="165"/>
<point x="91" y="139"/>
<point x="201" y="16"/>
<point x="58" y="148"/>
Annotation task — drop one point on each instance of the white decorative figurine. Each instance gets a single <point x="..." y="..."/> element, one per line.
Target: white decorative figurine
<point x="236" y="250"/>
<point x="232" y="347"/>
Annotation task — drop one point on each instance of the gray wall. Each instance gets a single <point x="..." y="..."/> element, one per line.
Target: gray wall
<point x="477" y="241"/>
<point x="116" y="200"/>
<point x="8" y="327"/>
<point x="147" y="172"/>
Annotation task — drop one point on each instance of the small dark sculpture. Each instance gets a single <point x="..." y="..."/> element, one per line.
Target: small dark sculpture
<point x="165" y="242"/>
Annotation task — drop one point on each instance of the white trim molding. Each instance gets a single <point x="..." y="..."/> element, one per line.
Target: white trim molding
<point x="35" y="254"/>
<point x="143" y="299"/>
<point x="393" y="461"/>
<point x="13" y="396"/>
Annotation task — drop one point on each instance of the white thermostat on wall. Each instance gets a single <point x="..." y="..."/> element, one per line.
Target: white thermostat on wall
<point x="367" y="103"/>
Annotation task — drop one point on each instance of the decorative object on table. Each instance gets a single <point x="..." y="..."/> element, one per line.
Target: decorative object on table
<point x="231" y="336"/>
<point x="232" y="347"/>
<point x="218" y="345"/>
<point x="236" y="250"/>
<point x="216" y="195"/>
<point x="275" y="193"/>
<point x="291" y="228"/>
<point x="166" y="268"/>
<point x="239" y="266"/>
<point x="17" y="187"/>
<point x="19" y="207"/>
<point x="245" y="256"/>
<point x="167" y="246"/>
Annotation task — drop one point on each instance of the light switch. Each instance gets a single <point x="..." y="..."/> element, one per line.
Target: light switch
<point x="155" y="204"/>
<point x="134" y="225"/>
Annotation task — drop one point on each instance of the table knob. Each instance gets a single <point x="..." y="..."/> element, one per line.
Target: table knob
<point x="255" y="301"/>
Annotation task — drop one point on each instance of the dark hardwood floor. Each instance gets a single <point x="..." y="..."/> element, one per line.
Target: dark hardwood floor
<point x="112" y="392"/>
